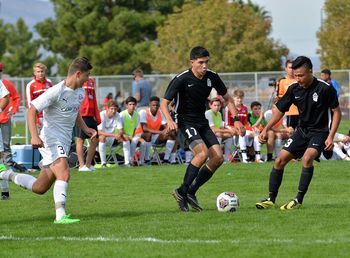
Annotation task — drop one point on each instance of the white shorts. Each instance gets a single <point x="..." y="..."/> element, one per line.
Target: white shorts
<point x="53" y="152"/>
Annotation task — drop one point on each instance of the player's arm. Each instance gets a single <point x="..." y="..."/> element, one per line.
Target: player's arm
<point x="335" y="123"/>
<point x="164" y="107"/>
<point x="88" y="131"/>
<point x="276" y="116"/>
<point x="232" y="108"/>
<point x="31" y="117"/>
<point x="3" y="102"/>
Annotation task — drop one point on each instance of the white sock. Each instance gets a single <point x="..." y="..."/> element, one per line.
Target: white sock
<point x="173" y="157"/>
<point x="126" y="150"/>
<point x="338" y="151"/>
<point x="59" y="197"/>
<point x="227" y="148"/>
<point x="188" y="156"/>
<point x="133" y="145"/>
<point x="278" y="144"/>
<point x="168" y="148"/>
<point x="148" y="150"/>
<point x="23" y="180"/>
<point x="142" y="152"/>
<point x="4" y="186"/>
<point x="102" y="151"/>
<point x="257" y="148"/>
<point x="347" y="148"/>
<point x="243" y="146"/>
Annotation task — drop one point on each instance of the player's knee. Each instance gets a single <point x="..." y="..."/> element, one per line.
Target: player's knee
<point x="307" y="161"/>
<point x="218" y="160"/>
<point x="279" y="162"/>
<point x="203" y="155"/>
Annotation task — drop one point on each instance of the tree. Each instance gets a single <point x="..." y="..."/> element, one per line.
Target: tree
<point x="2" y="38"/>
<point x="334" y="38"/>
<point x="21" y="50"/>
<point x="235" y="33"/>
<point x="115" y="35"/>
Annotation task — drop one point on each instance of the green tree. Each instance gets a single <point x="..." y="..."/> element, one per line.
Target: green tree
<point x="21" y="50"/>
<point x="115" y="35"/>
<point x="2" y="38"/>
<point x="236" y="34"/>
<point x="334" y="38"/>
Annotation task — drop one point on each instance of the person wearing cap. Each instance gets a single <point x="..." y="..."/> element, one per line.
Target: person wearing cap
<point x="6" y="125"/>
<point x="326" y="76"/>
<point x="37" y="86"/>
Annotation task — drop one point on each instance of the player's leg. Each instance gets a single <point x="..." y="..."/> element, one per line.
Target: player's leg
<point x="91" y="152"/>
<point x="257" y="149"/>
<point x="228" y="141"/>
<point x="206" y="172"/>
<point x="102" y="150"/>
<point x="242" y="141"/>
<point x="270" y="145"/>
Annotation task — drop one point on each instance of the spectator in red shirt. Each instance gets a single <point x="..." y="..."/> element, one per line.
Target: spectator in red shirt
<point x="91" y="116"/>
<point x="37" y="86"/>
<point x="6" y="125"/>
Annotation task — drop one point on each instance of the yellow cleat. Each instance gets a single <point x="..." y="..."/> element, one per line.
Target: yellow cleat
<point x="291" y="205"/>
<point x="265" y="204"/>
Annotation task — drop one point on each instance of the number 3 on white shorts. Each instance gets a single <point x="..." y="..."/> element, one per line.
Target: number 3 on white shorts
<point x="189" y="133"/>
<point x="61" y="152"/>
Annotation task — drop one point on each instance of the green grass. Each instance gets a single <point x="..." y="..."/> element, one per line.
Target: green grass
<point x="129" y="212"/>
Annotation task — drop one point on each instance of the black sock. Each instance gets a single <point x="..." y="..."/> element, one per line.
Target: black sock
<point x="190" y="175"/>
<point x="269" y="156"/>
<point x="304" y="182"/>
<point x="276" y="176"/>
<point x="5" y="194"/>
<point x="204" y="175"/>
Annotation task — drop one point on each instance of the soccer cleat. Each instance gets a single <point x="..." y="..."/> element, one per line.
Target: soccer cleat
<point x="192" y="200"/>
<point x="5" y="196"/>
<point x="259" y="161"/>
<point x="291" y="205"/>
<point x="66" y="219"/>
<point x="181" y="201"/>
<point x="265" y="204"/>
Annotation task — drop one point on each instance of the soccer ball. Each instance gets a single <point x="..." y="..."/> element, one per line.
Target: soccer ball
<point x="227" y="201"/>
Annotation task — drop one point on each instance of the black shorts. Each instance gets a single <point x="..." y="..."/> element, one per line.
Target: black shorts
<point x="293" y="121"/>
<point x="90" y="122"/>
<point x="202" y="132"/>
<point x="303" y="139"/>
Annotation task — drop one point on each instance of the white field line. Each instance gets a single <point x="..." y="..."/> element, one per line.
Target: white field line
<point x="180" y="241"/>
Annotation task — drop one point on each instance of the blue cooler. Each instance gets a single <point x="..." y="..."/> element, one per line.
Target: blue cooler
<point x="26" y="156"/>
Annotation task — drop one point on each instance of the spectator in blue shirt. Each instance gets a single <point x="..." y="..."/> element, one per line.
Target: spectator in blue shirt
<point x="326" y="76"/>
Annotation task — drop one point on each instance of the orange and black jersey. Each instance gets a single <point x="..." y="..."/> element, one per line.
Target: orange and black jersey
<point x="191" y="94"/>
<point x="314" y="104"/>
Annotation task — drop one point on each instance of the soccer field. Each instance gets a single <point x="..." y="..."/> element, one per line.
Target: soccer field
<point x="129" y="212"/>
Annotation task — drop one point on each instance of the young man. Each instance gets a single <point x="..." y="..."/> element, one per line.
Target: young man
<point x="153" y="128"/>
<point x="4" y="100"/>
<point x="314" y="99"/>
<point x="91" y="115"/>
<point x="216" y="124"/>
<point x="130" y="121"/>
<point x="37" y="86"/>
<point x="110" y="130"/>
<point x="191" y="89"/>
<point x="292" y="115"/>
<point x="60" y="106"/>
<point x="326" y="76"/>
<point x="141" y="89"/>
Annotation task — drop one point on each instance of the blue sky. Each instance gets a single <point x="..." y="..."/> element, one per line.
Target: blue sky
<point x="295" y="23"/>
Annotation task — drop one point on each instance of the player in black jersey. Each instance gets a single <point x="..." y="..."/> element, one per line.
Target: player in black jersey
<point x="315" y="100"/>
<point x="190" y="90"/>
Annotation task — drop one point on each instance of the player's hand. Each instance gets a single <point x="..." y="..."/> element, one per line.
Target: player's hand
<point x="37" y="142"/>
<point x="263" y="137"/>
<point x="91" y="132"/>
<point x="329" y="144"/>
<point x="171" y="125"/>
<point x="240" y="128"/>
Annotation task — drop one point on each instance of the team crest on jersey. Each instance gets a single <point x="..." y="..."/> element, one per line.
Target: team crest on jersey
<point x="208" y="82"/>
<point x="315" y="97"/>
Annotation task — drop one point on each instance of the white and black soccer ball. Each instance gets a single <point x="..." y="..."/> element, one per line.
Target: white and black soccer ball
<point x="227" y="201"/>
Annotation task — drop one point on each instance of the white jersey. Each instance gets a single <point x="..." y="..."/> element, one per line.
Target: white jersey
<point x="60" y="105"/>
<point x="108" y="125"/>
<point x="143" y="116"/>
<point x="3" y="90"/>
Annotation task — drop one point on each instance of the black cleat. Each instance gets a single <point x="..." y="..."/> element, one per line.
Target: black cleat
<point x="192" y="200"/>
<point x="181" y="201"/>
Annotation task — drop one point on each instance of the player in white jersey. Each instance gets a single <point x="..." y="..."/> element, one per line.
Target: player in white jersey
<point x="110" y="130"/>
<point x="60" y="105"/>
<point x="4" y="100"/>
<point x="341" y="149"/>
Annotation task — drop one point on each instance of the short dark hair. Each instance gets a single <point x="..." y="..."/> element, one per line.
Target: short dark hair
<point x="130" y="99"/>
<point x="326" y="71"/>
<point x="81" y="64"/>
<point x="198" y="52"/>
<point x="254" y="104"/>
<point x="302" y="61"/>
<point x="288" y="61"/>
<point x="154" y="98"/>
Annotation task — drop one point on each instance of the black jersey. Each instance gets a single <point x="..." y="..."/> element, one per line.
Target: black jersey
<point x="191" y="94"/>
<point x="314" y="104"/>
